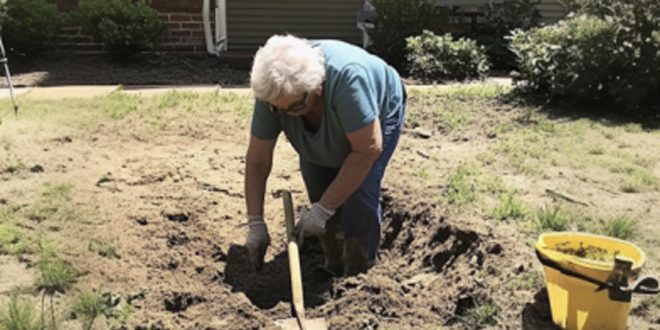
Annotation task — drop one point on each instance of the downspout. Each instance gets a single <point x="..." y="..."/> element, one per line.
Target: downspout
<point x="216" y="42"/>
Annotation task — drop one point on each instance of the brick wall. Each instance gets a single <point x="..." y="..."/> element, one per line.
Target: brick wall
<point x="183" y="33"/>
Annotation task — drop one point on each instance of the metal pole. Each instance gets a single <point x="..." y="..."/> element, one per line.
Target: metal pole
<point x="3" y="60"/>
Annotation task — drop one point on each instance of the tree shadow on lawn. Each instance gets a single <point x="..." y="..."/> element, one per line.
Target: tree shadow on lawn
<point x="606" y="113"/>
<point x="66" y="68"/>
<point x="273" y="284"/>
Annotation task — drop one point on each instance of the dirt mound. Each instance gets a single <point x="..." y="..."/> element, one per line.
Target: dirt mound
<point x="425" y="276"/>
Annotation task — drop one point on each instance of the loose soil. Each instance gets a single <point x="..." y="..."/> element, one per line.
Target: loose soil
<point x="587" y="252"/>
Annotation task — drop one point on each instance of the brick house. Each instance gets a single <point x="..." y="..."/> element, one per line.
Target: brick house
<point x="248" y="23"/>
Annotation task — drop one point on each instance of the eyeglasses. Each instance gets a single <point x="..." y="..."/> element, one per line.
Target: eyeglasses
<point x="295" y="107"/>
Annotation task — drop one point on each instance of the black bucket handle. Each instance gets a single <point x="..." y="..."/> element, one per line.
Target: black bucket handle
<point x="616" y="292"/>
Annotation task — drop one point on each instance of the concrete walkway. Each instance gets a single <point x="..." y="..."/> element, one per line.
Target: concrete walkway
<point x="87" y="91"/>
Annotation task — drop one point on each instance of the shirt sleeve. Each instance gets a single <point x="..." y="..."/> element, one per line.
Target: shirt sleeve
<point x="266" y="124"/>
<point x="355" y="98"/>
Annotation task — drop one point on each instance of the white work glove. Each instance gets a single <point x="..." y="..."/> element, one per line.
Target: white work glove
<point x="312" y="222"/>
<point x="257" y="241"/>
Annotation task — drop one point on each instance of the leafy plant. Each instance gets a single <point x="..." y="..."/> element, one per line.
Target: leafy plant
<point x="499" y="20"/>
<point x="125" y="27"/>
<point x="598" y="55"/>
<point x="30" y="26"/>
<point x="433" y="57"/>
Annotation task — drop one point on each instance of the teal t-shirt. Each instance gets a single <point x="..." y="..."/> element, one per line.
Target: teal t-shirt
<point x="358" y="88"/>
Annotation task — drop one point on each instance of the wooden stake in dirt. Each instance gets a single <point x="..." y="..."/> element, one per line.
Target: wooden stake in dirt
<point x="564" y="197"/>
<point x="298" y="310"/>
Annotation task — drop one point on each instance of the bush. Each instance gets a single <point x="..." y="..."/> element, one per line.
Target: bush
<point x="434" y="57"/>
<point x="395" y="21"/>
<point x="30" y="26"/>
<point x="607" y="53"/>
<point x="499" y="20"/>
<point x="125" y="28"/>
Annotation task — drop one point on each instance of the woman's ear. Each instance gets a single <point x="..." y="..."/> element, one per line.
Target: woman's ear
<point x="319" y="91"/>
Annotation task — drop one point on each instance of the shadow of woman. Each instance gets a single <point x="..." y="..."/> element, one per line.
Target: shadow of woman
<point x="273" y="285"/>
<point x="537" y="315"/>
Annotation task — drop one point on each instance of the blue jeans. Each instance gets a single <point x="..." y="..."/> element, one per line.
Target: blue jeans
<point x="359" y="219"/>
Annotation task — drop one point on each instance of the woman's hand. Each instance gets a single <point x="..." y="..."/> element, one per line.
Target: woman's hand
<point x="257" y="241"/>
<point x="312" y="222"/>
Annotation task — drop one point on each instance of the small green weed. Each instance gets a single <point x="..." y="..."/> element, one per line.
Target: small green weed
<point x="482" y="316"/>
<point x="620" y="227"/>
<point x="460" y="189"/>
<point x="118" y="105"/>
<point x="104" y="249"/>
<point x="57" y="275"/>
<point x="509" y="208"/>
<point x="88" y="306"/>
<point x="20" y="315"/>
<point x="551" y="219"/>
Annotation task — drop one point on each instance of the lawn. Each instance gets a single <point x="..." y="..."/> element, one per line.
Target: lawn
<point x="128" y="210"/>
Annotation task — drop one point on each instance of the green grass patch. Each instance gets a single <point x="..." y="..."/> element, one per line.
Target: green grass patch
<point x="620" y="227"/>
<point x="509" y="208"/>
<point x="55" y="203"/>
<point x="638" y="180"/>
<point x="57" y="275"/>
<point x="118" y="105"/>
<point x="104" y="249"/>
<point x="482" y="316"/>
<point x="88" y="306"/>
<point x="13" y="240"/>
<point x="56" y="192"/>
<point x="20" y="315"/>
<point x="461" y="188"/>
<point x="551" y="219"/>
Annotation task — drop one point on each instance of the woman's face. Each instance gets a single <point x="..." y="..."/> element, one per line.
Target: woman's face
<point x="295" y="105"/>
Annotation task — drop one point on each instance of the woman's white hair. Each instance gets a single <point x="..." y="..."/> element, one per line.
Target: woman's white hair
<point x="286" y="65"/>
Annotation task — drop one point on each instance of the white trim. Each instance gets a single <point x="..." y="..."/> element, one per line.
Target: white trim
<point x="216" y="42"/>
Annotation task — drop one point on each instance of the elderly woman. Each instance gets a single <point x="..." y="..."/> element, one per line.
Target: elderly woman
<point x="341" y="109"/>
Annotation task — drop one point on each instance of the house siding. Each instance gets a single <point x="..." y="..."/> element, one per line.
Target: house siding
<point x="251" y="22"/>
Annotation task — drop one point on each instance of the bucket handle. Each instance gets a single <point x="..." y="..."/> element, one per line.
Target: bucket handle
<point x="616" y="292"/>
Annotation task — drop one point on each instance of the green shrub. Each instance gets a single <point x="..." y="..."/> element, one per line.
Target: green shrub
<point x="606" y="53"/>
<point x="395" y="21"/>
<point x="499" y="20"/>
<point x="434" y="57"/>
<point x="125" y="28"/>
<point x="30" y="26"/>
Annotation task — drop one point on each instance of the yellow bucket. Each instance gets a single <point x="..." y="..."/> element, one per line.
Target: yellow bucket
<point x="580" y="297"/>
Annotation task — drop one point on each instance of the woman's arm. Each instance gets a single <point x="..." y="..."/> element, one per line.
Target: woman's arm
<point x="258" y="163"/>
<point x="366" y="146"/>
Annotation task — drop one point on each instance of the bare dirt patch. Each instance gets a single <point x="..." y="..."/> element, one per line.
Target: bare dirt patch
<point x="170" y="197"/>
